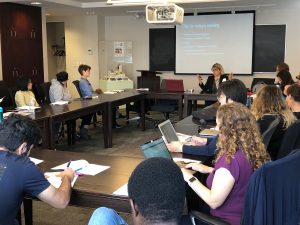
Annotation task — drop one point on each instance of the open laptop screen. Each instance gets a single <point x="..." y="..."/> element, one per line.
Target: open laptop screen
<point x="168" y="131"/>
<point x="155" y="148"/>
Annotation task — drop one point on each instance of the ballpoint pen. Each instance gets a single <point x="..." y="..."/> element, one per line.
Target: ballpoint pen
<point x="69" y="163"/>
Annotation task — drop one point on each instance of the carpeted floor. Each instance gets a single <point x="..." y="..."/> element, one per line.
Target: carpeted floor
<point x="126" y="141"/>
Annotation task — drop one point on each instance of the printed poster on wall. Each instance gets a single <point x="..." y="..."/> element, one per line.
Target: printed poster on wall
<point x="118" y="51"/>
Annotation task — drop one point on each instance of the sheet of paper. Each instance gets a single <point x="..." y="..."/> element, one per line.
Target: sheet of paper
<point x="60" y="103"/>
<point x="82" y="166"/>
<point x="75" y="165"/>
<point x="26" y="107"/>
<point x="93" y="169"/>
<point x="95" y="96"/>
<point x="142" y="89"/>
<point x="123" y="190"/>
<point x="36" y="161"/>
<point x="56" y="180"/>
<point x="109" y="92"/>
<point x="186" y="160"/>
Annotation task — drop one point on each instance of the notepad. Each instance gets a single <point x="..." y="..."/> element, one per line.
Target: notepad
<point x="56" y="180"/>
<point x="36" y="161"/>
<point x="84" y="167"/>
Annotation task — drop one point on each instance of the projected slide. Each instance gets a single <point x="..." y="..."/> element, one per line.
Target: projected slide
<point x="204" y="40"/>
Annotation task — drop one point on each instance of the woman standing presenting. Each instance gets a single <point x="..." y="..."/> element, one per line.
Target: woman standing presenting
<point x="212" y="84"/>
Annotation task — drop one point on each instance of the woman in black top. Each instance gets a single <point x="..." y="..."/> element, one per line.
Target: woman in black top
<point x="212" y="84"/>
<point x="268" y="105"/>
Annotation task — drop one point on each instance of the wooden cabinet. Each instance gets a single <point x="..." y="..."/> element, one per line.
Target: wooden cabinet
<point x="21" y="42"/>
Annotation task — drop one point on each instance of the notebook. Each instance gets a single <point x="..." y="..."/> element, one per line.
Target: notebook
<point x="167" y="130"/>
<point x="158" y="148"/>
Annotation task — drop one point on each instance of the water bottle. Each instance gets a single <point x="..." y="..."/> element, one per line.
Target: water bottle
<point x="1" y="114"/>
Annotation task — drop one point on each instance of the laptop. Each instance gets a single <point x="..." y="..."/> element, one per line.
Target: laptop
<point x="167" y="130"/>
<point x="158" y="148"/>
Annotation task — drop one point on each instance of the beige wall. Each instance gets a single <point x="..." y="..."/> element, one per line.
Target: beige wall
<point x="129" y="28"/>
<point x="81" y="35"/>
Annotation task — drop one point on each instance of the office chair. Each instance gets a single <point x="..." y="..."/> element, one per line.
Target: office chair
<point x="76" y="84"/>
<point x="168" y="106"/>
<point x="43" y="91"/>
<point x="291" y="140"/>
<point x="7" y="101"/>
<point x="267" y="135"/>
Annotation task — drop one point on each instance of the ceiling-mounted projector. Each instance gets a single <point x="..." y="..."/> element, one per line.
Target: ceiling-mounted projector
<point x="164" y="14"/>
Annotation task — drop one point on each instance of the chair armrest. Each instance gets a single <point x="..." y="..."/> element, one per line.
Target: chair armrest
<point x="204" y="218"/>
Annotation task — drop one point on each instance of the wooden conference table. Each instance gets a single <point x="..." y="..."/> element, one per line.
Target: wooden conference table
<point x="90" y="191"/>
<point x="49" y="115"/>
<point x="194" y="96"/>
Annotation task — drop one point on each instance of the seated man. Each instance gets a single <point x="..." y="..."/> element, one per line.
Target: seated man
<point x="19" y="176"/>
<point x="293" y="99"/>
<point x="157" y="194"/>
<point x="230" y="91"/>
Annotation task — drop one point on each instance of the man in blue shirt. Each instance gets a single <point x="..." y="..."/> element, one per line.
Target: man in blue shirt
<point x="19" y="176"/>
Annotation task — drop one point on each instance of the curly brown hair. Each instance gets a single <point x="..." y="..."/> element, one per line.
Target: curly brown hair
<point x="269" y="100"/>
<point x="238" y="130"/>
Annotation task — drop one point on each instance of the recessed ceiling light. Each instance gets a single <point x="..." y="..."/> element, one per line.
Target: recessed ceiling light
<point x="35" y="3"/>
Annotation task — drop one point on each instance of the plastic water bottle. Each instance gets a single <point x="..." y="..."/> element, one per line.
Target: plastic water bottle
<point x="1" y="114"/>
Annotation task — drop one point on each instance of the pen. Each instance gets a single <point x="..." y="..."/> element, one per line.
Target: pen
<point x="69" y="163"/>
<point x="78" y="169"/>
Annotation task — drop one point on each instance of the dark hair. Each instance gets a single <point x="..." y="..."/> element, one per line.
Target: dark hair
<point x="157" y="187"/>
<point x="17" y="129"/>
<point x="235" y="90"/>
<point x="294" y="91"/>
<point x="62" y="76"/>
<point x="22" y="83"/>
<point x="283" y="66"/>
<point x="286" y="78"/>
<point x="82" y="68"/>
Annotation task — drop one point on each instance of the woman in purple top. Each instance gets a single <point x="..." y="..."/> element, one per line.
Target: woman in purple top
<point x="240" y="152"/>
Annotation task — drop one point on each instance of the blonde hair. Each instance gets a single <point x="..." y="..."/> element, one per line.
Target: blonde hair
<point x="238" y="130"/>
<point x="269" y="100"/>
<point x="218" y="66"/>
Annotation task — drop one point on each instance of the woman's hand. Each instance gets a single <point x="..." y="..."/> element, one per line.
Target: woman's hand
<point x="187" y="174"/>
<point x="199" y="167"/>
<point x="175" y="146"/>
<point x="200" y="79"/>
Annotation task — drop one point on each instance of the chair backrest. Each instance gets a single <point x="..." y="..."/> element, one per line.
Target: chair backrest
<point x="12" y="92"/>
<point x="266" y="136"/>
<point x="44" y="92"/>
<point x="258" y="83"/>
<point x="76" y="84"/>
<point x="172" y="85"/>
<point x="6" y="102"/>
<point x="290" y="141"/>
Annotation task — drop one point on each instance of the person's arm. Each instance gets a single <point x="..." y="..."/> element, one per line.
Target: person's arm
<point x="222" y="185"/>
<point x="57" y="93"/>
<point x="208" y="150"/>
<point x="66" y="95"/>
<point x="85" y="89"/>
<point x="59" y="198"/>
<point x="20" y="99"/>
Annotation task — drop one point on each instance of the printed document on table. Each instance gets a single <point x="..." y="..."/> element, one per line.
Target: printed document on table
<point x="82" y="166"/>
<point x="60" y="103"/>
<point x="56" y="180"/>
<point x="123" y="190"/>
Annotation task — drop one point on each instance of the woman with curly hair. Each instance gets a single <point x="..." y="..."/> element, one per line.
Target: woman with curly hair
<point x="267" y="106"/>
<point x="240" y="152"/>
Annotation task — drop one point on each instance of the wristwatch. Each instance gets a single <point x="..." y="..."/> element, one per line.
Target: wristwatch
<point x="192" y="179"/>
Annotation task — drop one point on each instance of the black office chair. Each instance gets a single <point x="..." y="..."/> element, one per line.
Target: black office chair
<point x="43" y="90"/>
<point x="291" y="140"/>
<point x="205" y="219"/>
<point x="12" y="92"/>
<point x="267" y="135"/>
<point x="76" y="84"/>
